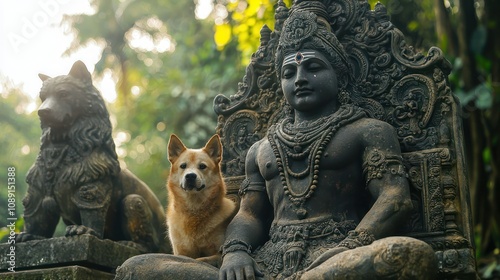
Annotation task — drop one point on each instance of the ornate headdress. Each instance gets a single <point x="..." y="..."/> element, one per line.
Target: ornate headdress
<point x="307" y="27"/>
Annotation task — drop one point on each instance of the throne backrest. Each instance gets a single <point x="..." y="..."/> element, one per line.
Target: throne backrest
<point x="407" y="89"/>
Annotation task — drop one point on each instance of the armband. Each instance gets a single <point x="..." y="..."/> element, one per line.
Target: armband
<point x="234" y="245"/>
<point x="378" y="163"/>
<point x="247" y="185"/>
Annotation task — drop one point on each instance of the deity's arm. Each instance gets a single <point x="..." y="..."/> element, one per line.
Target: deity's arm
<point x="386" y="181"/>
<point x="251" y="223"/>
<point x="250" y="227"/>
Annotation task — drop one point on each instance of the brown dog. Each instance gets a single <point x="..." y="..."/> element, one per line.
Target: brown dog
<point x="198" y="211"/>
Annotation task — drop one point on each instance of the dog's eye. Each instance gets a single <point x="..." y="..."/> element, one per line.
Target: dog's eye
<point x="202" y="166"/>
<point x="183" y="166"/>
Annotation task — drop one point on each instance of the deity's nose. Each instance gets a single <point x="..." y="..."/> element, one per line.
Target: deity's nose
<point x="300" y="78"/>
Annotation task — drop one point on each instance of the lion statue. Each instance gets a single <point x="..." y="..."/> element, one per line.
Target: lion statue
<point x="77" y="175"/>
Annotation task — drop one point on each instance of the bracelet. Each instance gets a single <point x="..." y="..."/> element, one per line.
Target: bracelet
<point x="357" y="238"/>
<point x="234" y="245"/>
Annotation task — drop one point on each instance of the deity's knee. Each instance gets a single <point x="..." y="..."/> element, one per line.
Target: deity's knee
<point x="404" y="257"/>
<point x="388" y="258"/>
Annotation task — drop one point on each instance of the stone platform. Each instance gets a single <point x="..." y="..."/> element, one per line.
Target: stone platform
<point x="79" y="257"/>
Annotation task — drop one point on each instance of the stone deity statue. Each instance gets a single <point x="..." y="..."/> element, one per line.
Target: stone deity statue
<point x="325" y="189"/>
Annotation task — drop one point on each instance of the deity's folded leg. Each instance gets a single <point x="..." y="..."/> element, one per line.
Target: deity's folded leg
<point x="388" y="258"/>
<point x="165" y="266"/>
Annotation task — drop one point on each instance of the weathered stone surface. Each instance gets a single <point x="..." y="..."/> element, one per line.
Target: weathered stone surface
<point x="163" y="266"/>
<point x="388" y="258"/>
<point x="85" y="250"/>
<point x="62" y="273"/>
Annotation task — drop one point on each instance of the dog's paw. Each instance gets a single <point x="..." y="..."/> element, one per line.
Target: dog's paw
<point x="74" y="230"/>
<point x="24" y="236"/>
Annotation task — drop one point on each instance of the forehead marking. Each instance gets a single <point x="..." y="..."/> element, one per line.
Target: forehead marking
<point x="298" y="57"/>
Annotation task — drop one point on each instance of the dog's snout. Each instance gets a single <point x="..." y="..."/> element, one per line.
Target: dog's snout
<point x="191" y="176"/>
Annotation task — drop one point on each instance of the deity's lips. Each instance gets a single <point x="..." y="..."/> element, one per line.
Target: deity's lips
<point x="303" y="92"/>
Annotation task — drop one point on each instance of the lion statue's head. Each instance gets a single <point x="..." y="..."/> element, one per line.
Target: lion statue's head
<point x="73" y="110"/>
<point x="76" y="142"/>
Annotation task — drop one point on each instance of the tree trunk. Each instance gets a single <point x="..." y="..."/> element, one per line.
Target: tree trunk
<point x="445" y="33"/>
<point x="467" y="23"/>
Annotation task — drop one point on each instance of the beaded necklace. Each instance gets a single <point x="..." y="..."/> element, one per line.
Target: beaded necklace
<point x="306" y="144"/>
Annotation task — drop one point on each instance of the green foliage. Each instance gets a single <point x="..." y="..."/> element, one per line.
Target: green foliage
<point x="243" y="24"/>
<point x="5" y="232"/>
<point x="160" y="91"/>
<point x="481" y="96"/>
<point x="414" y="18"/>
<point x="491" y="271"/>
<point x="19" y="142"/>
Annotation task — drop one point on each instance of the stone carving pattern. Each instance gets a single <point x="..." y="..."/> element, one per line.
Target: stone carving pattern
<point x="394" y="83"/>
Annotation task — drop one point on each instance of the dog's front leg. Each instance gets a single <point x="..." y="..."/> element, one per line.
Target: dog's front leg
<point x="93" y="201"/>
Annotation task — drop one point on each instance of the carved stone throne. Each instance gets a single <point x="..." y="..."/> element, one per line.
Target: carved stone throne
<point x="406" y="89"/>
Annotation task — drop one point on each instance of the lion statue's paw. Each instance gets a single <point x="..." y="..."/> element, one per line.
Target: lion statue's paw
<point x="74" y="230"/>
<point x="24" y="236"/>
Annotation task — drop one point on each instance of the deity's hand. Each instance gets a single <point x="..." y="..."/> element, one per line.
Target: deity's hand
<point x="239" y="265"/>
<point x="325" y="256"/>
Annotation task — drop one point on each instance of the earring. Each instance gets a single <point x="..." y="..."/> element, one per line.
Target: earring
<point x="344" y="97"/>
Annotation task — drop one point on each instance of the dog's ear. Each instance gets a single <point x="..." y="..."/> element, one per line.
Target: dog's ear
<point x="79" y="71"/>
<point x="43" y="77"/>
<point x="214" y="148"/>
<point x="175" y="148"/>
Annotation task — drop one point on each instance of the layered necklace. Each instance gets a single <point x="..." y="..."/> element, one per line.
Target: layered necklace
<point x="306" y="144"/>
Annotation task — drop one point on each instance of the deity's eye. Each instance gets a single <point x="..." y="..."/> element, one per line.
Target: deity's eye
<point x="315" y="66"/>
<point x="202" y="166"/>
<point x="287" y="72"/>
<point x="183" y="166"/>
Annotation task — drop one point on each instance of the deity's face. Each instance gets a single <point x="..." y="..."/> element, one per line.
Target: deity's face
<point x="309" y="81"/>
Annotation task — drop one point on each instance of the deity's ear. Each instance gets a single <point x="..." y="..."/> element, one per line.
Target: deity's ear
<point x="175" y="148"/>
<point x="43" y="77"/>
<point x="343" y="80"/>
<point x="79" y="71"/>
<point x="214" y="148"/>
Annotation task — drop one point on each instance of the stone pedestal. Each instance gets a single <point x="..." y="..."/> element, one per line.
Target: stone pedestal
<point x="80" y="257"/>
